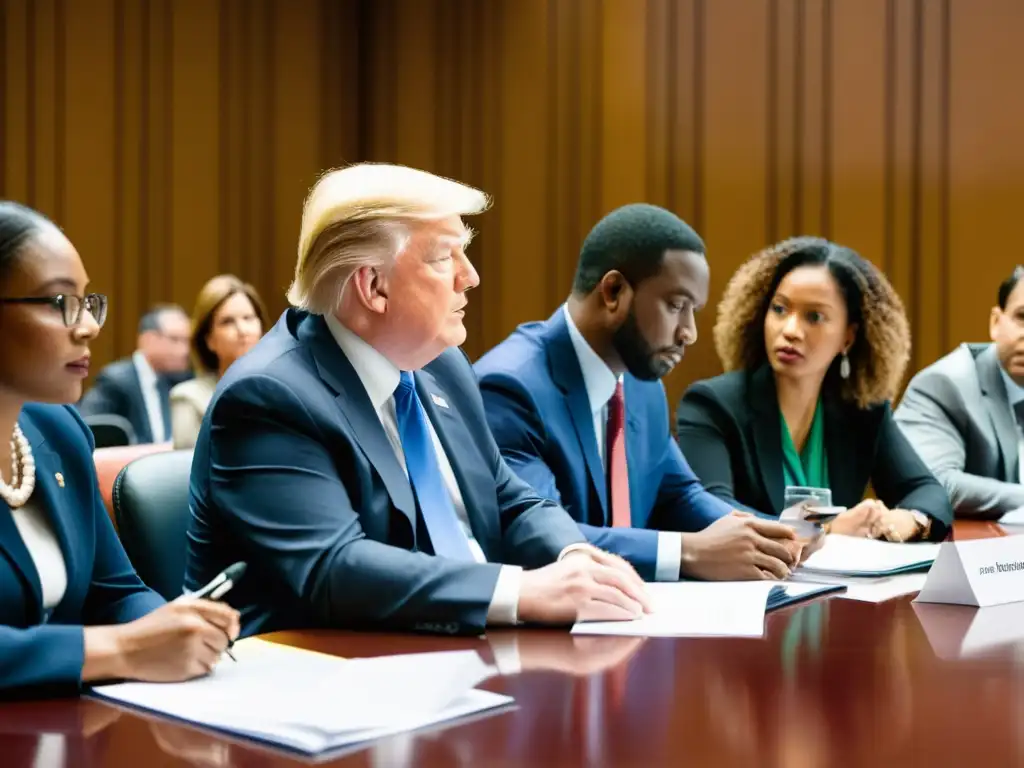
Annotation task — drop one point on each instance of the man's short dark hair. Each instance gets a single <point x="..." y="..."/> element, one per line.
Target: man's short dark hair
<point x="632" y="240"/>
<point x="1007" y="286"/>
<point x="151" y="321"/>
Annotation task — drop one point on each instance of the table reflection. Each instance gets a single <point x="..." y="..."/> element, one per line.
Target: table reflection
<point x="55" y="733"/>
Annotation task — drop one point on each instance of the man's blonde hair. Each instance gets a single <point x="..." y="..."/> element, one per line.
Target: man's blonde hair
<point x="355" y="217"/>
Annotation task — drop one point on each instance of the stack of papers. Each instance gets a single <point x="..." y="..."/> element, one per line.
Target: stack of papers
<point x="313" y="702"/>
<point x="706" y="609"/>
<point x="868" y="589"/>
<point x="853" y="556"/>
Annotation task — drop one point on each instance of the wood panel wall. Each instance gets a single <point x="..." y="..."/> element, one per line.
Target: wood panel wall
<point x="175" y="139"/>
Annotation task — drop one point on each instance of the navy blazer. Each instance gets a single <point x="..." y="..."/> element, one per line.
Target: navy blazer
<point x="294" y="474"/>
<point x="39" y="647"/>
<point x="538" y="409"/>
<point x="730" y="430"/>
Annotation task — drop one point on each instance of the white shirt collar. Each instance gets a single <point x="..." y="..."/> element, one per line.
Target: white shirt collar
<point x="147" y="376"/>
<point x="597" y="376"/>
<point x="1014" y="392"/>
<point x="379" y="375"/>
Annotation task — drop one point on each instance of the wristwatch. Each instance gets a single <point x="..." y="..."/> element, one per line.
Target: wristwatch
<point x="924" y="523"/>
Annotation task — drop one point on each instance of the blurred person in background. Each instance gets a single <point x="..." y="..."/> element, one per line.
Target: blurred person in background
<point x="138" y="388"/>
<point x="229" y="317"/>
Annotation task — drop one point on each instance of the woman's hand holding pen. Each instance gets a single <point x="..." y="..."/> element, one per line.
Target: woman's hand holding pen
<point x="178" y="641"/>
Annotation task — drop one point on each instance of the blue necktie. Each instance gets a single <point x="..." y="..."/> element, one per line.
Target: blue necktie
<point x="446" y="532"/>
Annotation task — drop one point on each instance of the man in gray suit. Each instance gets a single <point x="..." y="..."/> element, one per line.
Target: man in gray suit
<point x="962" y="413"/>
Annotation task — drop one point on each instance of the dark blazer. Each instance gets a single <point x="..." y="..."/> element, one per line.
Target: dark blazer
<point x="294" y="474"/>
<point x="729" y="429"/>
<point x="538" y="409"/>
<point x="46" y="648"/>
<point x="117" y="391"/>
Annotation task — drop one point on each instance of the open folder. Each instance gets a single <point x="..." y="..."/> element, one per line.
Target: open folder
<point x="708" y="609"/>
<point x="854" y="556"/>
<point x="312" y="702"/>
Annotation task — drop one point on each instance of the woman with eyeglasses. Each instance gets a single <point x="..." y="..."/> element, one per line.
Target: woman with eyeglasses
<point x="72" y="609"/>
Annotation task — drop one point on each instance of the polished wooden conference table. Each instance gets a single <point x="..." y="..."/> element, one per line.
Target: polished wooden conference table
<point x="831" y="683"/>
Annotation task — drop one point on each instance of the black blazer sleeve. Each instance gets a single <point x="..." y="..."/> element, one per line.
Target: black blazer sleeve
<point x="901" y="480"/>
<point x="707" y="435"/>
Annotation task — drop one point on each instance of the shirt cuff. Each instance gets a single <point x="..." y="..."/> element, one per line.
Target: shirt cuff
<point x="670" y="556"/>
<point x="505" y="648"/>
<point x="504" y="607"/>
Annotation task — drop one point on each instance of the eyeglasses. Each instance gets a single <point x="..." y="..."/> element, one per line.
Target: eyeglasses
<point x="71" y="307"/>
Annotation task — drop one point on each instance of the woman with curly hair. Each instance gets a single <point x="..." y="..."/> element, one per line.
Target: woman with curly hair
<point x="815" y="343"/>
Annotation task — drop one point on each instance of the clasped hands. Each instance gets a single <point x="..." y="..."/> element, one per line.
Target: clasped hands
<point x="872" y="519"/>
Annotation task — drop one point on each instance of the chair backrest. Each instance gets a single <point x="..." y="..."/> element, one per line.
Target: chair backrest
<point x="109" y="430"/>
<point x="110" y="461"/>
<point x="151" y="510"/>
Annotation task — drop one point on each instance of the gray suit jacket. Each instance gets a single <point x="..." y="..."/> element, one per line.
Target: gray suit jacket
<point x="957" y="416"/>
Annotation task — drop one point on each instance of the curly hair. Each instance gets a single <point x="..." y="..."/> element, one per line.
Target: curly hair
<point x="879" y="354"/>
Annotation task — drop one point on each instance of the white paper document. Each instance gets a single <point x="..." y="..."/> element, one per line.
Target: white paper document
<point x="868" y="589"/>
<point x="694" y="609"/>
<point x="855" y="556"/>
<point x="314" y="702"/>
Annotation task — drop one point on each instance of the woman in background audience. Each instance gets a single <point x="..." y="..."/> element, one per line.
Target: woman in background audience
<point x="72" y="608"/>
<point x="228" y="320"/>
<point x="815" y="343"/>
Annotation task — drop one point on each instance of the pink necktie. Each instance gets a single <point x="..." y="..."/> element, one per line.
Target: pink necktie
<point x="618" y="477"/>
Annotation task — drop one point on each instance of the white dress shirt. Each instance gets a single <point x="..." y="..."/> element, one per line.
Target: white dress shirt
<point x="600" y="384"/>
<point x="150" y="396"/>
<point x="380" y="378"/>
<point x="42" y="545"/>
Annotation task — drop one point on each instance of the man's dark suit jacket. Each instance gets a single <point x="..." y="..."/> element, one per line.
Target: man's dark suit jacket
<point x="117" y="391"/>
<point x="293" y="473"/>
<point x="40" y="647"/>
<point x="730" y="431"/>
<point x="539" y="412"/>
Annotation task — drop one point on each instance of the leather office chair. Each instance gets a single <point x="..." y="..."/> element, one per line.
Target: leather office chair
<point x="110" y="461"/>
<point x="151" y="512"/>
<point x="110" y="430"/>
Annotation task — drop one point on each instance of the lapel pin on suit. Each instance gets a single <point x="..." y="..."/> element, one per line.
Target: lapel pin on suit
<point x="60" y="479"/>
<point x="439" y="401"/>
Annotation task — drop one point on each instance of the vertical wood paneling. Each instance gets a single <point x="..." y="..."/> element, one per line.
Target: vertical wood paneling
<point x="522" y="204"/>
<point x="130" y="53"/>
<point x="624" y="100"/>
<point x="17" y="73"/>
<point x="296" y="150"/>
<point x="902" y="118"/>
<point x="42" y="111"/>
<point x="194" y="125"/>
<point x="174" y="140"/>
<point x="986" y="122"/>
<point x="858" y="102"/>
<point x="930" y="166"/>
<point x="90" y="219"/>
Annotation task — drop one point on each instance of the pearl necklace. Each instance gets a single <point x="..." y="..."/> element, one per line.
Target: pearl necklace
<point x="23" y="471"/>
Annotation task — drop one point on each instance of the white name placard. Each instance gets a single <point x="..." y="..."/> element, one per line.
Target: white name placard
<point x="981" y="572"/>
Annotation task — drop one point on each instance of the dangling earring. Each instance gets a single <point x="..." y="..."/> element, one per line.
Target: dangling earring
<point x="844" y="366"/>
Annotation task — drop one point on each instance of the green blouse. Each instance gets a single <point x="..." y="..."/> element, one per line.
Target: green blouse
<point x="808" y="468"/>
